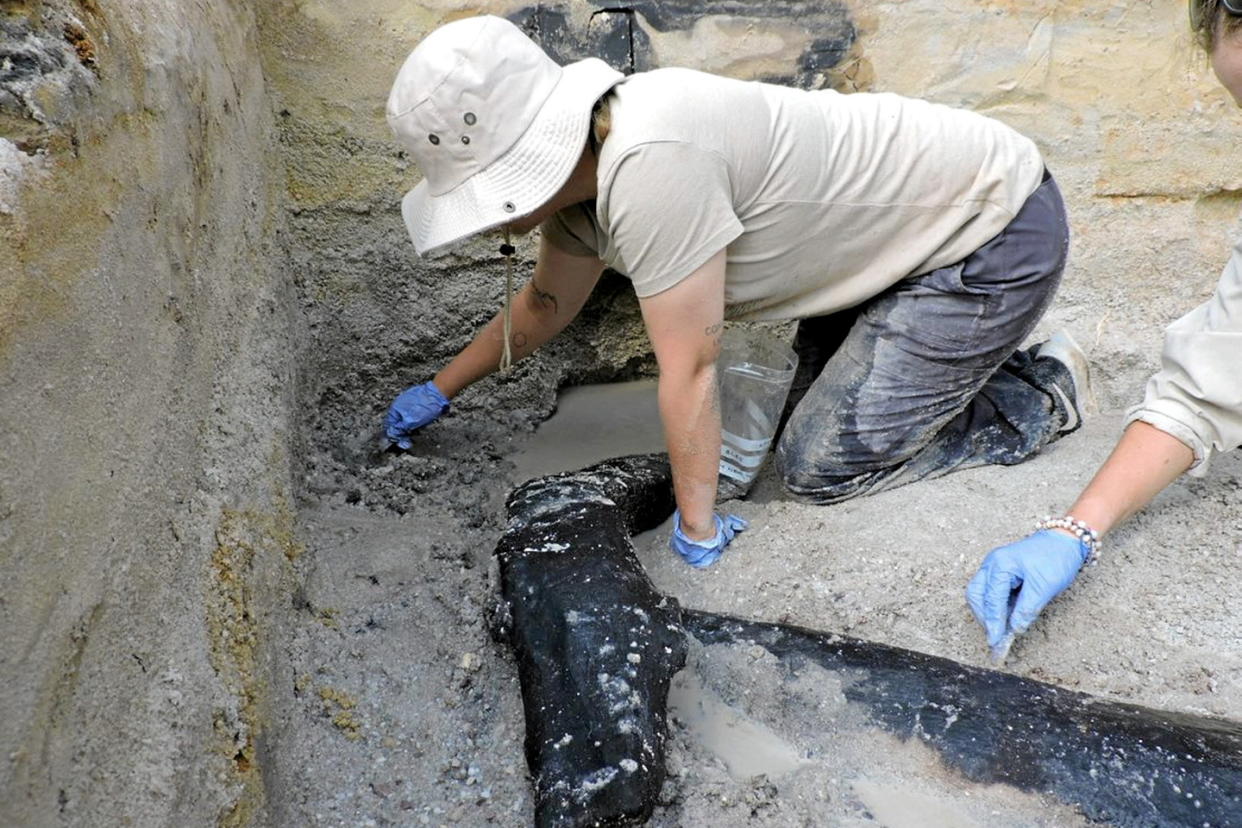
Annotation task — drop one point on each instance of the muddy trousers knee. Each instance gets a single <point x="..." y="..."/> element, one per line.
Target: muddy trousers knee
<point x="926" y="377"/>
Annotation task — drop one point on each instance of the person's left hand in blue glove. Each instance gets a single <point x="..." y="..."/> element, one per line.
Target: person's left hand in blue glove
<point x="703" y="553"/>
<point x="1015" y="582"/>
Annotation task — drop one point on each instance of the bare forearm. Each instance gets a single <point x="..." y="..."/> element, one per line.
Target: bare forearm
<point x="685" y="324"/>
<point x="1144" y="461"/>
<point x="690" y="411"/>
<point x="536" y="318"/>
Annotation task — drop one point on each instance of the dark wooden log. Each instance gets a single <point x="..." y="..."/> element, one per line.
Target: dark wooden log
<point x="596" y="645"/>
<point x="1121" y="764"/>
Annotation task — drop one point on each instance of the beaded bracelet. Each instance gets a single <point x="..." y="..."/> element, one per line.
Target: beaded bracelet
<point x="1087" y="537"/>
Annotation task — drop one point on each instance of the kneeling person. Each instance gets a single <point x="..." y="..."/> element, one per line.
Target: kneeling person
<point x="917" y="244"/>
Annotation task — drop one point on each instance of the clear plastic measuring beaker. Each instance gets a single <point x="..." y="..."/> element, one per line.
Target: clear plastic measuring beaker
<point x="755" y="370"/>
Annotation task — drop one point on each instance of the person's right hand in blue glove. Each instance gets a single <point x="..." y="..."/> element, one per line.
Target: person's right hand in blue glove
<point x="414" y="408"/>
<point x="1039" y="567"/>
<point x="703" y="553"/>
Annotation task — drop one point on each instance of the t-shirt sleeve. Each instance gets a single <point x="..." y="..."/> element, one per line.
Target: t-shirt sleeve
<point x="572" y="230"/>
<point x="1197" y="395"/>
<point x="668" y="208"/>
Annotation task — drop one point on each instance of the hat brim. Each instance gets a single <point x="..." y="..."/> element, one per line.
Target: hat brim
<point x="524" y="178"/>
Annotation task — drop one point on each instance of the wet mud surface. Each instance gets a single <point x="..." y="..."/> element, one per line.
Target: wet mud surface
<point x="412" y="714"/>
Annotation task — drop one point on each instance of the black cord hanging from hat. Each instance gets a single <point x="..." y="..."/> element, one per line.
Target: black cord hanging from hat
<point x="506" y="357"/>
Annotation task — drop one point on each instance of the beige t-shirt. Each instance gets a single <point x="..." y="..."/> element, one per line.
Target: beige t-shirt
<point x="1197" y="395"/>
<point x="823" y="200"/>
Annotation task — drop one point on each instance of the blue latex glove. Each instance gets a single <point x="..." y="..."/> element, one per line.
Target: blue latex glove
<point x="416" y="406"/>
<point x="1039" y="566"/>
<point x="703" y="553"/>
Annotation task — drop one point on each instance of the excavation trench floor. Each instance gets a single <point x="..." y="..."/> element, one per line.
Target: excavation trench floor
<point x="409" y="714"/>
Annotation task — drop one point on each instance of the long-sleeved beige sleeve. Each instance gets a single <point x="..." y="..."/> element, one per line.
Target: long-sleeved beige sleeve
<point x="1197" y="395"/>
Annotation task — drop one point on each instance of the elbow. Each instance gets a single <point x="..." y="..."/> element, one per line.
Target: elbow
<point x="690" y="364"/>
<point x="539" y="308"/>
<point x="543" y="314"/>
<point x="691" y="373"/>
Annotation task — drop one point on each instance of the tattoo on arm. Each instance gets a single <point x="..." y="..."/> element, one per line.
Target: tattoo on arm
<point x="519" y="339"/>
<point x="544" y="299"/>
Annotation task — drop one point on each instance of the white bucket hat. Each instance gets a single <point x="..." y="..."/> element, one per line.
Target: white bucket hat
<point x="494" y="124"/>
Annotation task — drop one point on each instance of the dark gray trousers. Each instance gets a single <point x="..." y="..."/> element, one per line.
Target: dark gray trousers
<point x="925" y="378"/>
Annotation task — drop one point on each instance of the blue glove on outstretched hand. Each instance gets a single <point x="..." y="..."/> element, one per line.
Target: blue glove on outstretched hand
<point x="703" y="553"/>
<point x="1040" y="566"/>
<point x="416" y="406"/>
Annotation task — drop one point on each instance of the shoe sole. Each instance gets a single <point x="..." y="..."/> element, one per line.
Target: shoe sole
<point x="1073" y="419"/>
<point x="1062" y="347"/>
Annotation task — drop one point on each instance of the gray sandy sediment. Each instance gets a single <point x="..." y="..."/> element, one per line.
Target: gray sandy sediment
<point x="438" y="708"/>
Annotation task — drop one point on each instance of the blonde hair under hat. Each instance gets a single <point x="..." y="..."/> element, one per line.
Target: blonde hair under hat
<point x="493" y="123"/>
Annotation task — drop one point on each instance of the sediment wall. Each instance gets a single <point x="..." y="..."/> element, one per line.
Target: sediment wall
<point x="146" y="353"/>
